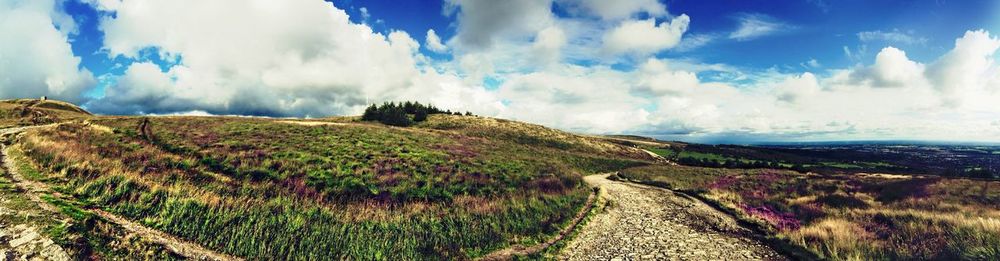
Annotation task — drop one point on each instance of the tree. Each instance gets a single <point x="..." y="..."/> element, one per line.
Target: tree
<point x="467" y="113"/>
<point x="395" y="116"/>
<point x="420" y="115"/>
<point x="371" y="113"/>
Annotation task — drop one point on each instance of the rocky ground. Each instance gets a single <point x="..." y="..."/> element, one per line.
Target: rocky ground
<point x="647" y="223"/>
<point x="23" y="242"/>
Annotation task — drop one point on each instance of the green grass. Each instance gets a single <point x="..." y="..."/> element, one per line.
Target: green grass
<point x="77" y="231"/>
<point x="452" y="187"/>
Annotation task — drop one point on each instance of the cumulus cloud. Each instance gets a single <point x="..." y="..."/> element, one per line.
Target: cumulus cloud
<point x="319" y="63"/>
<point x="35" y="54"/>
<point x="798" y="87"/>
<point x="892" y="69"/>
<point x="313" y="64"/>
<point x="656" y="79"/>
<point x="481" y="22"/>
<point x="621" y="9"/>
<point x="643" y="37"/>
<point x="594" y="96"/>
<point x="548" y="44"/>
<point x="754" y="25"/>
<point x="433" y="42"/>
<point x="963" y="73"/>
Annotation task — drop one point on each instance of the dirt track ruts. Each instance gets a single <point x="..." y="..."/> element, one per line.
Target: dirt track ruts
<point x="648" y="223"/>
<point x="178" y="246"/>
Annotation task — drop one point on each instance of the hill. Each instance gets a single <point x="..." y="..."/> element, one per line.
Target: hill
<point x="24" y="112"/>
<point x="451" y="187"/>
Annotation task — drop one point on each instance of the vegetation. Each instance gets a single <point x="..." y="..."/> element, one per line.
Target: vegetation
<point x="852" y="217"/>
<point x="82" y="234"/>
<point x="402" y="114"/>
<point x="270" y="189"/>
<point x="24" y="112"/>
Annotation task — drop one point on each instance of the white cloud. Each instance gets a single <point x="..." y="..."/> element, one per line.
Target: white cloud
<point x="892" y="69"/>
<point x="302" y="57"/>
<point x="963" y="73"/>
<point x="364" y="13"/>
<point x="592" y="97"/>
<point x="795" y="88"/>
<point x="548" y="44"/>
<point x="619" y="9"/>
<point x="894" y="36"/>
<point x="35" y="55"/>
<point x="482" y="22"/>
<point x="319" y="63"/>
<point x="655" y="78"/>
<point x="643" y="37"/>
<point x="753" y="25"/>
<point x="434" y="42"/>
<point x="694" y="41"/>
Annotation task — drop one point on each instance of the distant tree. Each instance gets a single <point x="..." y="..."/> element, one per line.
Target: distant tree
<point x="402" y="113"/>
<point x="410" y="107"/>
<point x="420" y="114"/>
<point x="467" y="113"/>
<point x="395" y="116"/>
<point x="371" y="113"/>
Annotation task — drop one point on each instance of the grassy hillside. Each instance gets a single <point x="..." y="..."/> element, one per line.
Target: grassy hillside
<point x="853" y="217"/>
<point x="24" y="112"/>
<point x="453" y="187"/>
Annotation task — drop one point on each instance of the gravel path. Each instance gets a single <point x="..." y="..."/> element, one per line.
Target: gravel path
<point x="647" y="223"/>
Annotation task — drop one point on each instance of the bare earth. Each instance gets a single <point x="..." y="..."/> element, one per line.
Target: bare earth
<point x="647" y="223"/>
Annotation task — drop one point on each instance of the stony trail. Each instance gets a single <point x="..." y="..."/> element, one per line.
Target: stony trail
<point x="33" y="189"/>
<point x="648" y="223"/>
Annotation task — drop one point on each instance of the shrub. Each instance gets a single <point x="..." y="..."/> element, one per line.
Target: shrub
<point x="390" y="113"/>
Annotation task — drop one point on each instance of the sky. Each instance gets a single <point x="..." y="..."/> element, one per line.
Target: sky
<point x="719" y="71"/>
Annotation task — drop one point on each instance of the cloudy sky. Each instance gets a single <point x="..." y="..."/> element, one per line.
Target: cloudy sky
<point x="696" y="70"/>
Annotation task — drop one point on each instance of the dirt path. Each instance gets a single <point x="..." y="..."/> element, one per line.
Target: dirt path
<point x="647" y="223"/>
<point x="178" y="246"/>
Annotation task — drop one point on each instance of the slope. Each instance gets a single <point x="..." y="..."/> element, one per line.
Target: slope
<point x="454" y="187"/>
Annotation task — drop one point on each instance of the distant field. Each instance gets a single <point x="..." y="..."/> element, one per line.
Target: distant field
<point x="454" y="187"/>
<point x="853" y="217"/>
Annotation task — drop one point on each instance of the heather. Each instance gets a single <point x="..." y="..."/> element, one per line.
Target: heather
<point x="295" y="189"/>
<point x="852" y="216"/>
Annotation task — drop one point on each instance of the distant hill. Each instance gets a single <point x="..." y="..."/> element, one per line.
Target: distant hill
<point x="23" y="112"/>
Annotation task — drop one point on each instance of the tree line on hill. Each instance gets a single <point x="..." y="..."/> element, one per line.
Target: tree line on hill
<point x="403" y="114"/>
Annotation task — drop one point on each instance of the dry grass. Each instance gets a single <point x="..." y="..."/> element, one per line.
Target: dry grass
<point x="854" y="217"/>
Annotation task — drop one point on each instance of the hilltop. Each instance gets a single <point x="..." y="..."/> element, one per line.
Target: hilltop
<point x="24" y="112"/>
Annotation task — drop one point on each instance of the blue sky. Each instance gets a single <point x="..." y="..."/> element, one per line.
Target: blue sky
<point x="709" y="71"/>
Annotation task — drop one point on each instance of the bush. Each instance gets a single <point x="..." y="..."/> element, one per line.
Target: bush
<point x="390" y="113"/>
<point x="395" y="116"/>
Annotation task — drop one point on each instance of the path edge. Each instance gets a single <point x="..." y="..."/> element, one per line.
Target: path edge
<point x="759" y="233"/>
<point x="595" y="201"/>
